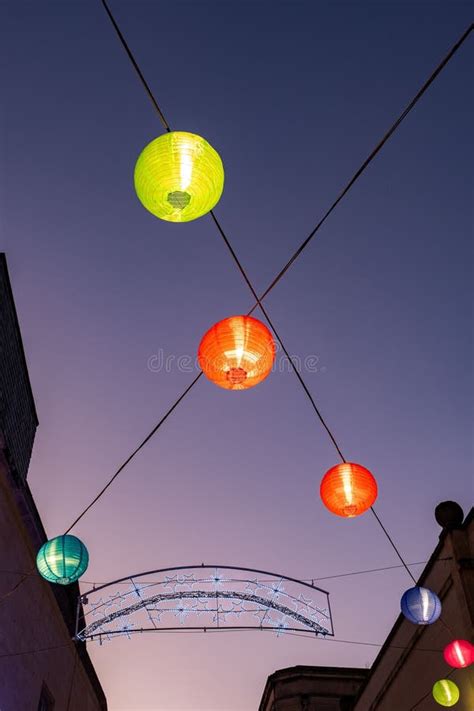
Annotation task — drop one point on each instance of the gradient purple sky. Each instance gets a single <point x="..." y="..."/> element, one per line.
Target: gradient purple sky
<point x="293" y="96"/>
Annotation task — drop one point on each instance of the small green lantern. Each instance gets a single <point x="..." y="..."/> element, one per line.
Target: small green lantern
<point x="62" y="560"/>
<point x="179" y="176"/>
<point x="445" y="692"/>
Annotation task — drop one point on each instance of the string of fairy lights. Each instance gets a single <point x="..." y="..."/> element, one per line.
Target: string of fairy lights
<point x="179" y="177"/>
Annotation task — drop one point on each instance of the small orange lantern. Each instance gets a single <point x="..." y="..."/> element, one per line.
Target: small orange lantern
<point x="237" y="353"/>
<point x="348" y="489"/>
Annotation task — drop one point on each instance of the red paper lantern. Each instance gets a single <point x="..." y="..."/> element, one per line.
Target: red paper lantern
<point x="237" y="353"/>
<point x="348" y="489"/>
<point x="459" y="654"/>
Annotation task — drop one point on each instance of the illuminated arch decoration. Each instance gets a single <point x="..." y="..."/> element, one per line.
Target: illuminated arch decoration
<point x="205" y="598"/>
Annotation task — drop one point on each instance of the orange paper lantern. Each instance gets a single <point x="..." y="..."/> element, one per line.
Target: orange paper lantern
<point x="348" y="489"/>
<point x="459" y="654"/>
<point x="237" y="353"/>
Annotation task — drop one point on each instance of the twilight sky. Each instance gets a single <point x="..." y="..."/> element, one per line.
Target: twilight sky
<point x="293" y="95"/>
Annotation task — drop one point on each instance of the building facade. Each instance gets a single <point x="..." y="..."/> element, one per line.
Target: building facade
<point x="41" y="668"/>
<point x="411" y="659"/>
<point x="312" y="689"/>
<point x="403" y="678"/>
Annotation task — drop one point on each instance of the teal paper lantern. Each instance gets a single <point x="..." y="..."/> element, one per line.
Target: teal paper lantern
<point x="62" y="560"/>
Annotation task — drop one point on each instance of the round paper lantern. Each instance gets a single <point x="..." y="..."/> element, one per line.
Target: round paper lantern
<point x="62" y="559"/>
<point x="348" y="489"/>
<point x="459" y="654"/>
<point x="420" y="605"/>
<point x="445" y="692"/>
<point x="179" y="176"/>
<point x="237" y="353"/>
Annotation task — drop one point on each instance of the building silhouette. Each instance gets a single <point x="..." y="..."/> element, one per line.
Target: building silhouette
<point x="403" y="673"/>
<point x="41" y="668"/>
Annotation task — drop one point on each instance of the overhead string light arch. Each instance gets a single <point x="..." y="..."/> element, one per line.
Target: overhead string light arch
<point x="218" y="598"/>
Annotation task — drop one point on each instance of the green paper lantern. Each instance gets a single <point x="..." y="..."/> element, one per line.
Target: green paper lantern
<point x="62" y="560"/>
<point x="445" y="692"/>
<point x="179" y="176"/>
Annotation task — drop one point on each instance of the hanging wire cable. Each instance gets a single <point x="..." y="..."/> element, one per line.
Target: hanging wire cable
<point x="333" y="206"/>
<point x="135" y="452"/>
<point x="272" y="326"/>
<point x="367" y="161"/>
<point x="429" y="693"/>
<point x="155" y="429"/>
<point x="95" y="583"/>
<point x="336" y="202"/>
<point x="299" y="250"/>
<point x="295" y="255"/>
<point x="358" y="172"/>
<point x="291" y="634"/>
<point x="265" y="313"/>
<point x="73" y="675"/>
<point x="298" y="375"/>
<point x="35" y="651"/>
<point x="136" y="67"/>
<point x="393" y="544"/>
<point x="222" y="629"/>
<point x="24" y="577"/>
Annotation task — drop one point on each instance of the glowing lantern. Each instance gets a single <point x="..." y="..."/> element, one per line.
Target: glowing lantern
<point x="237" y="353"/>
<point x="179" y="176"/>
<point x="62" y="560"/>
<point x="445" y="692"/>
<point x="420" y="605"/>
<point x="459" y="654"/>
<point x="348" y="489"/>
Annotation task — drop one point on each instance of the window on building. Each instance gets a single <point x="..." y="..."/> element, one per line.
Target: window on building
<point x="46" y="702"/>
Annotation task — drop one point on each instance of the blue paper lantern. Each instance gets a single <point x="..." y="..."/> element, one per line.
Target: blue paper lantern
<point x="62" y="559"/>
<point x="421" y="605"/>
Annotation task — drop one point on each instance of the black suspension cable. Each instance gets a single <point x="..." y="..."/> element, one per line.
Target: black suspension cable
<point x="363" y="644"/>
<point x="24" y="577"/>
<point x="136" y="67"/>
<point x="298" y="375"/>
<point x="259" y="300"/>
<point x="272" y="326"/>
<point x="377" y="570"/>
<point x="135" y="451"/>
<point x="356" y="175"/>
<point x="35" y="651"/>
<point x="392" y="544"/>
<point x="73" y="675"/>
<point x="303" y="245"/>
<point x="412" y="708"/>
<point x="222" y="629"/>
<point x="95" y="583"/>
<point x="308" y="239"/>
<point x="154" y="430"/>
<point x="367" y="161"/>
